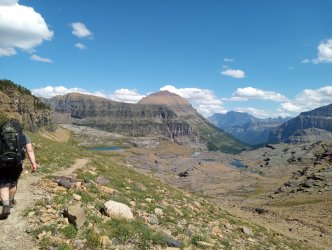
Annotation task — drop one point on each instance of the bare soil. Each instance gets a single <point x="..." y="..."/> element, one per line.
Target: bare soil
<point x="13" y="230"/>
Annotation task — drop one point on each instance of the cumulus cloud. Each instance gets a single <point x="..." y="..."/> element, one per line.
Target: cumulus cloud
<point x="324" y="52"/>
<point x="40" y="59"/>
<point x="50" y="91"/>
<point x="305" y="61"/>
<point x="255" y="112"/>
<point x="203" y="100"/>
<point x="244" y="94"/>
<point x="126" y="95"/>
<point x="236" y="73"/>
<point x="120" y="95"/>
<point x="8" y="2"/>
<point x="21" y="27"/>
<point x="308" y="99"/>
<point x="80" y="30"/>
<point x="80" y="46"/>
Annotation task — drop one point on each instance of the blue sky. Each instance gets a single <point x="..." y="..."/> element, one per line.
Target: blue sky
<point x="264" y="57"/>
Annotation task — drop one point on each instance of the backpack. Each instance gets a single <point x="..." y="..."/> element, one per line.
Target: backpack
<point x="12" y="141"/>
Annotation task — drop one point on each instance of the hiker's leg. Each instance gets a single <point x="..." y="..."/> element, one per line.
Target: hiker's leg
<point x="12" y="190"/>
<point x="4" y="193"/>
<point x="13" y="185"/>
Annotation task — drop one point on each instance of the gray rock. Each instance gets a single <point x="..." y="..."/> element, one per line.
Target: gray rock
<point x="247" y="231"/>
<point x="76" y="215"/>
<point x="153" y="219"/>
<point x="171" y="242"/>
<point x="65" y="183"/>
<point x="101" y="180"/>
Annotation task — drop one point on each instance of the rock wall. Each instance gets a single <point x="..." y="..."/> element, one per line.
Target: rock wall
<point x="320" y="118"/>
<point x="122" y="118"/>
<point x="26" y="108"/>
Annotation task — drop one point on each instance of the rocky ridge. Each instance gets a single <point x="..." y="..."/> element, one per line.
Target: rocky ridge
<point x="123" y="118"/>
<point x="320" y="118"/>
<point x="18" y="102"/>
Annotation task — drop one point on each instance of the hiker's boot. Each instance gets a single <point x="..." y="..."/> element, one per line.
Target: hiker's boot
<point x="5" y="212"/>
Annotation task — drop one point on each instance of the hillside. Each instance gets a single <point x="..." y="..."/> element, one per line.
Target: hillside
<point x="18" y="102"/>
<point x="163" y="216"/>
<point x="320" y="118"/>
<point x="216" y="138"/>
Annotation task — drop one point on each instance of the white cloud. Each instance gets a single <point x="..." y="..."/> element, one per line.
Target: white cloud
<point x="126" y="95"/>
<point x="203" y="100"/>
<point x="324" y="52"/>
<point x="80" y="46"/>
<point x="236" y="73"/>
<point x="80" y="30"/>
<point x="305" y="61"/>
<point x="21" y="27"/>
<point x="120" y="95"/>
<point x="244" y="94"/>
<point x="290" y="107"/>
<point x="8" y="2"/>
<point x="51" y="91"/>
<point x="308" y="99"/>
<point x="255" y="112"/>
<point x="40" y="59"/>
<point x="228" y="59"/>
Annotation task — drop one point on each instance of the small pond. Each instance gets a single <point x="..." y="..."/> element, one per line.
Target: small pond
<point x="238" y="164"/>
<point x="113" y="148"/>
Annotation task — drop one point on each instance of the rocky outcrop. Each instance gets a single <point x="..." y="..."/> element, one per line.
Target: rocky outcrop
<point x="18" y="102"/>
<point x="309" y="135"/>
<point x="316" y="177"/>
<point x="123" y="118"/>
<point x="320" y="118"/>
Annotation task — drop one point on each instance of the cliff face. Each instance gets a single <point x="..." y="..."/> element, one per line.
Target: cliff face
<point x="17" y="102"/>
<point x="320" y="118"/>
<point x="123" y="118"/>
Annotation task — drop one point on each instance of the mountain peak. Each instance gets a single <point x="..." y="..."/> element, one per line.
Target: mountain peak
<point x="175" y="102"/>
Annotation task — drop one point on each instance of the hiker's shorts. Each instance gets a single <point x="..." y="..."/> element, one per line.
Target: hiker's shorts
<point x="9" y="177"/>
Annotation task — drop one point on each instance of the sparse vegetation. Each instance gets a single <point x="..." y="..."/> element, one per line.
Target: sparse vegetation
<point x="190" y="219"/>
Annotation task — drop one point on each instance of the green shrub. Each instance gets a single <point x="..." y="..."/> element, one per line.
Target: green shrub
<point x="69" y="231"/>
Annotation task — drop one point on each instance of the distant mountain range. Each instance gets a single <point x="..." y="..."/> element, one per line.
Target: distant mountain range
<point x="245" y="127"/>
<point x="312" y="124"/>
<point x="159" y="114"/>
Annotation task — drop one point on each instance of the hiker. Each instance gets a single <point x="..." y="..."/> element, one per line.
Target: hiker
<point x="13" y="145"/>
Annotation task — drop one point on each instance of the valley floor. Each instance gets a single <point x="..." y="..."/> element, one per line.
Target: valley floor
<point x="251" y="192"/>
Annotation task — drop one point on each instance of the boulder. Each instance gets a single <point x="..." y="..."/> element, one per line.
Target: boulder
<point x="101" y="180"/>
<point x="153" y="219"/>
<point x="76" y="215"/>
<point x="117" y="209"/>
<point x="158" y="211"/>
<point x="247" y="231"/>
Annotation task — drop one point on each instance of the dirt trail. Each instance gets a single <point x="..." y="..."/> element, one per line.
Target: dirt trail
<point x="13" y="233"/>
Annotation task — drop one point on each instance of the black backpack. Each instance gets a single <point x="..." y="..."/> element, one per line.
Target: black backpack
<point x="12" y="141"/>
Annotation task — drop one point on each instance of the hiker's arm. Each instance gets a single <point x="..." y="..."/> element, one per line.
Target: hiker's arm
<point x="31" y="155"/>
